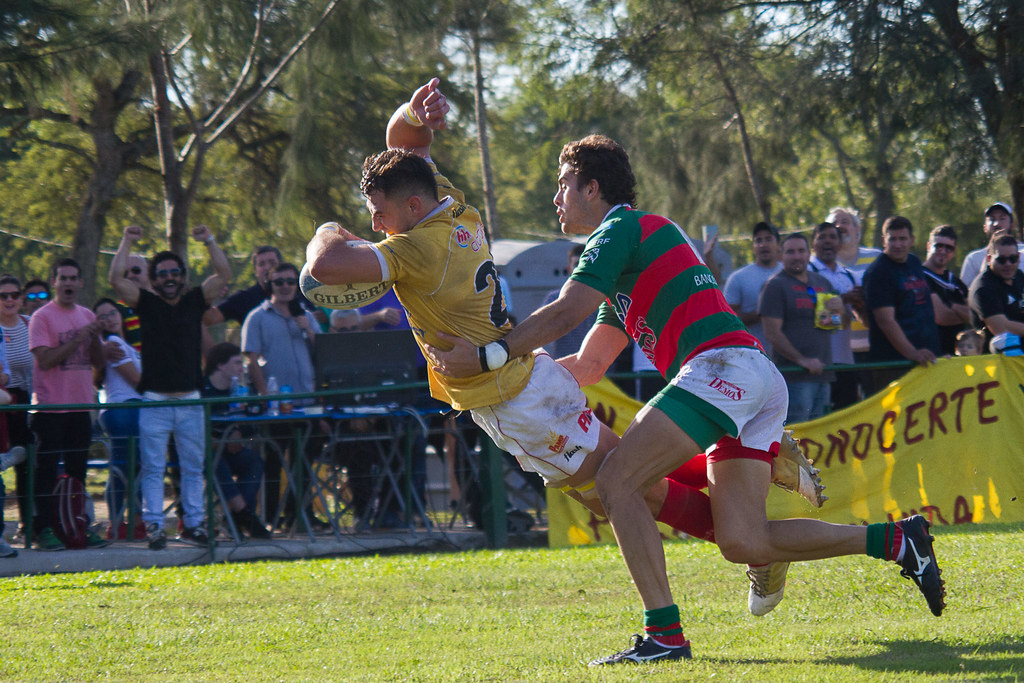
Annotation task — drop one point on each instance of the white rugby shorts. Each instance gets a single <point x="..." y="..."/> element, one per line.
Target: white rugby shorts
<point x="737" y="389"/>
<point x="548" y="426"/>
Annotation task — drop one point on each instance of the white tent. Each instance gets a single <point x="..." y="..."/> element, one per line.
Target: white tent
<point x="532" y="269"/>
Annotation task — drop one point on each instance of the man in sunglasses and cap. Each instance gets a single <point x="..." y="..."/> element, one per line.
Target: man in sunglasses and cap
<point x="171" y="321"/>
<point x="997" y="295"/>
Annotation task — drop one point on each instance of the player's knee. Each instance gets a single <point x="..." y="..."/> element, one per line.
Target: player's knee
<point x="609" y="487"/>
<point x="741" y="549"/>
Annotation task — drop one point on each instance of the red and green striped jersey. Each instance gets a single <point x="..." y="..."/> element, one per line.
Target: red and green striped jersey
<point x="659" y="289"/>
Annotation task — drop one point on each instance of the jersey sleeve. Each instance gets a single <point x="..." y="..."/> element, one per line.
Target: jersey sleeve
<point x="606" y="316"/>
<point x="606" y="256"/>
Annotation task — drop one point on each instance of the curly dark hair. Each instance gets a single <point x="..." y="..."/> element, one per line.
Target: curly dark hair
<point x="397" y="172"/>
<point x="598" y="157"/>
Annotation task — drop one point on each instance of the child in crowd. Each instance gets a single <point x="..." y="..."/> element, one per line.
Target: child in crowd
<point x="968" y="343"/>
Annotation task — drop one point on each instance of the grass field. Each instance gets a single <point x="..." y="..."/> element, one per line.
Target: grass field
<point x="528" y="614"/>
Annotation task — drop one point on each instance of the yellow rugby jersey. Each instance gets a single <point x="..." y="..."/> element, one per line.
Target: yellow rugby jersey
<point x="446" y="281"/>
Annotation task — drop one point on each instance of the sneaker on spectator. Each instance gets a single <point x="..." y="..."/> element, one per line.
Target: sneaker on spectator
<point x="156" y="536"/>
<point x="94" y="540"/>
<point x="46" y="540"/>
<point x="13" y="457"/>
<point x="195" y="535"/>
<point x="6" y="550"/>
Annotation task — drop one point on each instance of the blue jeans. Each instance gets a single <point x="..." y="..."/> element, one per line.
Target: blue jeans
<point x="121" y="424"/>
<point x="240" y="473"/>
<point x="807" y="400"/>
<point x="155" y="427"/>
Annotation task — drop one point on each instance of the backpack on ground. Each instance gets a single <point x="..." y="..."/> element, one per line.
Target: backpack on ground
<point x="72" y="511"/>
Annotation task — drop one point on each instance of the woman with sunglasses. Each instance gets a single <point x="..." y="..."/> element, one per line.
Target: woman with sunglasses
<point x="118" y="384"/>
<point x="17" y="366"/>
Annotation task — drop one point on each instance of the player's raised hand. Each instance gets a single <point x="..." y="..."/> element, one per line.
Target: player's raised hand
<point x="430" y="105"/>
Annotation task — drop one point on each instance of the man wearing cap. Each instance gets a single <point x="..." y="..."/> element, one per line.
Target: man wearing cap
<point x="743" y="288"/>
<point x="998" y="218"/>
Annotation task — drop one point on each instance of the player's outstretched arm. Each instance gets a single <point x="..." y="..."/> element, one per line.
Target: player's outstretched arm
<point x="413" y="124"/>
<point x="600" y="348"/>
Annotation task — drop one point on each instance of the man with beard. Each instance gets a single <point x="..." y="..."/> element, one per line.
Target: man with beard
<point x="743" y="288"/>
<point x="789" y="307"/>
<point x="171" y="320"/>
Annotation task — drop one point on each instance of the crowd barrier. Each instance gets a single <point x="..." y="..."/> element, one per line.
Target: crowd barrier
<point x="319" y="486"/>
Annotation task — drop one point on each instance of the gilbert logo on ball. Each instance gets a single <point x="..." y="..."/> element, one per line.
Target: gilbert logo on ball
<point x="344" y="297"/>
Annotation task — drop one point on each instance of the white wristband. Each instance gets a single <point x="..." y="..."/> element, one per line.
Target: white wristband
<point x="496" y="354"/>
<point x="410" y="116"/>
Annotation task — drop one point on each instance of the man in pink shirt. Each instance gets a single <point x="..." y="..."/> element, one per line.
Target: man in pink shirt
<point x="64" y="340"/>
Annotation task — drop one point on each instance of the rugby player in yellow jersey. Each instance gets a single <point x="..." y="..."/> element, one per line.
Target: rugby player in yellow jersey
<point x="436" y="252"/>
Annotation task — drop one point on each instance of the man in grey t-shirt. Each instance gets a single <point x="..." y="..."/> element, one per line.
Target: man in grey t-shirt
<point x="787" y="309"/>
<point x="743" y="288"/>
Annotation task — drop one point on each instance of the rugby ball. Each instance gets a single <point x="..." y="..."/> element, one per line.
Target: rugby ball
<point x="341" y="297"/>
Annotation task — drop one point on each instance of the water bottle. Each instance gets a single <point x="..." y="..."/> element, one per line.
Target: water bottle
<point x="234" y="406"/>
<point x="242" y="390"/>
<point x="273" y="406"/>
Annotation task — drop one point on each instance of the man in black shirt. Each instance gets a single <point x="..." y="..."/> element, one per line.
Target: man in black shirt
<point x="171" y="321"/>
<point x="949" y="293"/>
<point x="238" y="305"/>
<point x="997" y="295"/>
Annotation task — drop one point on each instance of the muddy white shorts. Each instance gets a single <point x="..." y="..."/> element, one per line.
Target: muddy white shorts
<point x="548" y="426"/>
<point x="733" y="392"/>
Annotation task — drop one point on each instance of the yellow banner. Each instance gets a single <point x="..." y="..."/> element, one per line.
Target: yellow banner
<point x="945" y="441"/>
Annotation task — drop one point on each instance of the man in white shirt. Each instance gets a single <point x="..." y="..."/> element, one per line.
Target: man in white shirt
<point x="998" y="218"/>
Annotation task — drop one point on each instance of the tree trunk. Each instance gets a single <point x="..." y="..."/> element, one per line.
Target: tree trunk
<point x="175" y="215"/>
<point x="111" y="157"/>
<point x="490" y="200"/>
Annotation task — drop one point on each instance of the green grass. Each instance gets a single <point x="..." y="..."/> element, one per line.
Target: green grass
<point x="525" y="614"/>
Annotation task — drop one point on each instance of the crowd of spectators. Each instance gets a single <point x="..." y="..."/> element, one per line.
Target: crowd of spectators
<point x="826" y="301"/>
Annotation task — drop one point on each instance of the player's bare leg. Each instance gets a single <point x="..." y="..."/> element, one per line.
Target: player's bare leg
<point x="652" y="447"/>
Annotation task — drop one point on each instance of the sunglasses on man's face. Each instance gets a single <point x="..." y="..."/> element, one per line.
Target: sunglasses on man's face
<point x="9" y="295"/>
<point x="944" y="246"/>
<point x="282" y="281"/>
<point x="1003" y="260"/>
<point x="168" y="272"/>
<point x="41" y="296"/>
